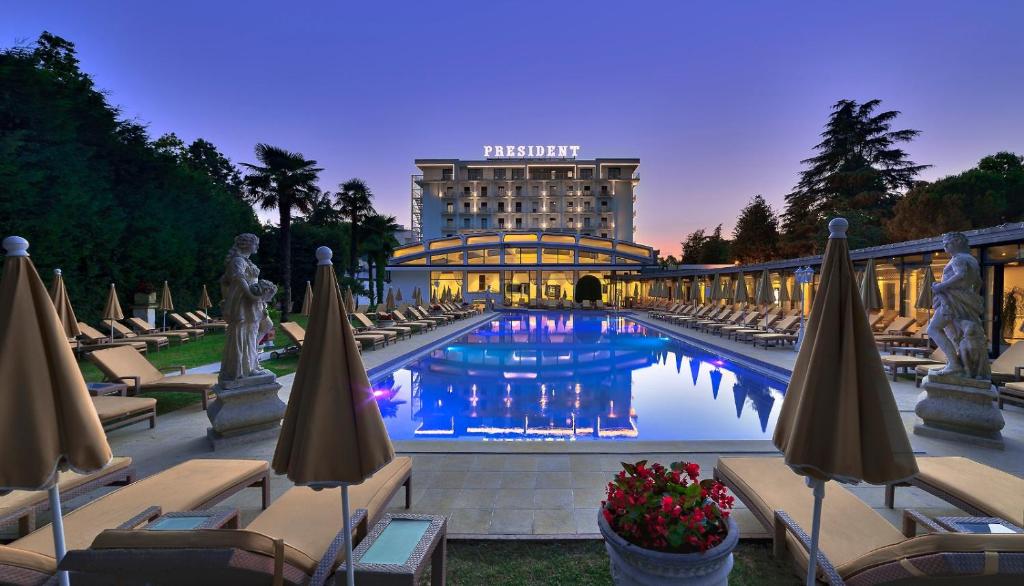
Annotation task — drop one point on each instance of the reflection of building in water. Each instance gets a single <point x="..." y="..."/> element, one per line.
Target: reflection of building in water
<point x="535" y="377"/>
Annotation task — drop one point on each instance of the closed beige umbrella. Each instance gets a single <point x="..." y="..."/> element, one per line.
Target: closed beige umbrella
<point x="398" y="296"/>
<point x="839" y="420"/>
<point x="783" y="289"/>
<point x="715" y="292"/>
<point x="740" y="294"/>
<point x="765" y="294"/>
<point x="350" y="301"/>
<point x="924" y="298"/>
<point x="204" y="301"/>
<point x="870" y="294"/>
<point x="332" y="434"/>
<point x="47" y="420"/>
<point x="166" y="303"/>
<point x="61" y="301"/>
<point x="307" y="300"/>
<point x="389" y="302"/>
<point x="112" y="310"/>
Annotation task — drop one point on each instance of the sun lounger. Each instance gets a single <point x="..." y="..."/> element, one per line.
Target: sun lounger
<point x="297" y="334"/>
<point x="400" y="318"/>
<point x="127" y="365"/>
<point x="1011" y="392"/>
<point x="899" y="325"/>
<point x="93" y="339"/>
<point x="424" y="313"/>
<point x="123" y="332"/>
<point x="956" y="480"/>
<point x="199" y="322"/>
<point x="142" y="326"/>
<point x="206" y="317"/>
<point x="857" y="544"/>
<point x="116" y="412"/>
<point x="192" y="485"/>
<point x="775" y="324"/>
<point x="390" y="335"/>
<point x="22" y="506"/>
<point x="296" y="540"/>
<point x="785" y="331"/>
<point x="189" y="324"/>
<point x="893" y="363"/>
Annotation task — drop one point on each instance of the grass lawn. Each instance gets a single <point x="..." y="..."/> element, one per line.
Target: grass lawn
<point x="497" y="563"/>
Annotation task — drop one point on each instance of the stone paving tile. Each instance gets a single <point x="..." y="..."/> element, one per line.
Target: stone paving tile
<point x="483" y="479"/>
<point x="474" y="498"/>
<point x="514" y="498"/>
<point x="518" y="480"/>
<point x="586" y="520"/>
<point x="511" y="522"/>
<point x="523" y="463"/>
<point x="583" y="498"/>
<point x="450" y="479"/>
<point x="553" y="463"/>
<point x="553" y="522"/>
<point x="455" y="462"/>
<point x="552" y="498"/>
<point x="585" y="462"/>
<point x="470" y="521"/>
<point x="590" y="479"/>
<point x="491" y="462"/>
<point x="554" y="480"/>
<point x="433" y="498"/>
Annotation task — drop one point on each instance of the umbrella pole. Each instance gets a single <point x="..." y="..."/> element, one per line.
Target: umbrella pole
<point x="350" y="569"/>
<point x="58" y="531"/>
<point x="818" y="486"/>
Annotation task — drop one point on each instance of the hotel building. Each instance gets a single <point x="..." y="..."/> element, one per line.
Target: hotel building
<point x="521" y="230"/>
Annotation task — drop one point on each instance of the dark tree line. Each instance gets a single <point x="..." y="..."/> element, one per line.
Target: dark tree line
<point x="861" y="172"/>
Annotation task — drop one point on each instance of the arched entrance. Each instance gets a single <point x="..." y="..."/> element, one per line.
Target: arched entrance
<point x="588" y="288"/>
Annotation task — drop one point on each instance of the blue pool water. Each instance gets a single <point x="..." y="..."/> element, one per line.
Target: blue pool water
<point x="579" y="376"/>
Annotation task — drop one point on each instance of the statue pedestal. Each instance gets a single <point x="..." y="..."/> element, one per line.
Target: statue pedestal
<point x="245" y="410"/>
<point x="959" y="409"/>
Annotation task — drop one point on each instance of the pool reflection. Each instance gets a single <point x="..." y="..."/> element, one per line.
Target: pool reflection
<point x="573" y="376"/>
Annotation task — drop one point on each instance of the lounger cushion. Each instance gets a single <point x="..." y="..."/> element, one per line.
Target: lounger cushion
<point x="109" y="407"/>
<point x="184" y="382"/>
<point x="184" y="487"/>
<point x="990" y="489"/>
<point x="298" y="515"/>
<point x="28" y="560"/>
<point x="931" y="543"/>
<point x="850" y="528"/>
<point x="68" y="481"/>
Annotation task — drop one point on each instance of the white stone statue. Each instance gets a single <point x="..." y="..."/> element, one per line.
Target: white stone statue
<point x="245" y="299"/>
<point x="956" y="326"/>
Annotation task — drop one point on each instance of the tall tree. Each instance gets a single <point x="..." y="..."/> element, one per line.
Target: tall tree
<point x="355" y="201"/>
<point x="287" y="181"/>
<point x="701" y="248"/>
<point x="859" y="172"/>
<point x="378" y="244"/>
<point x="756" y="235"/>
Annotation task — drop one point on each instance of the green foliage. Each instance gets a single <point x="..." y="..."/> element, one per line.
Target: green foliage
<point x="355" y="202"/>
<point x="859" y="169"/>
<point x="95" y="197"/>
<point x="756" y="236"/>
<point x="378" y="242"/>
<point x="988" y="195"/>
<point x="700" y="248"/>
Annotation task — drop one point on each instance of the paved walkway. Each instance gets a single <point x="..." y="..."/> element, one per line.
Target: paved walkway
<point x="536" y="489"/>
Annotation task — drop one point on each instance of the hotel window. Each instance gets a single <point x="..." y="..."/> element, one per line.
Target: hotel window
<point x="465" y="191"/>
<point x="483" y="222"/>
<point x="614" y="173"/>
<point x="452" y="258"/>
<point x="517" y="173"/>
<point x="534" y="207"/>
<point x="604" y="190"/>
<point x="553" y="190"/>
<point x="476" y="174"/>
<point x="569" y="221"/>
<point x="446" y="174"/>
<point x="451" y="222"/>
<point x="519" y="190"/>
<point x="604" y="205"/>
<point x="499" y="173"/>
<point x="536" y="191"/>
<point x="483" y="205"/>
<point x="586" y="206"/>
<point x="586" y="173"/>
<point x="586" y="222"/>
<point x="449" y="192"/>
<point x="519" y="206"/>
<point x="604" y="234"/>
<point x="465" y="222"/>
<point x="519" y="223"/>
<point x="486" y="256"/>
<point x="595" y="258"/>
<point x="449" y="208"/>
<point x="552" y="206"/>
<point x="535" y="223"/>
<point x="521" y="256"/>
<point x="552" y="220"/>
<point x="501" y="191"/>
<point x="586" y="189"/>
<point x="465" y="207"/>
<point x="483" y="191"/>
<point x="481" y="282"/>
<point x="501" y="222"/>
<point x="501" y="206"/>
<point x="569" y="205"/>
<point x="570" y="189"/>
<point x="556" y="256"/>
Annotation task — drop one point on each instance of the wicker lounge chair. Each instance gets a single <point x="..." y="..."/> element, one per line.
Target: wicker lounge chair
<point x="127" y="365"/>
<point x="142" y="326"/>
<point x="22" y="506"/>
<point x="297" y="540"/>
<point x="192" y="485"/>
<point x="858" y="546"/>
<point x="93" y="339"/>
<point x="117" y="412"/>
<point x="955" y="480"/>
<point x="123" y="332"/>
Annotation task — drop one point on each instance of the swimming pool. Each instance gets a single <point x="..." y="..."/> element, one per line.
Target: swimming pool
<point x="574" y="376"/>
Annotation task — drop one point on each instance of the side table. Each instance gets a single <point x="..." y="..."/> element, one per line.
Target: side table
<point x="102" y="389"/>
<point x="398" y="549"/>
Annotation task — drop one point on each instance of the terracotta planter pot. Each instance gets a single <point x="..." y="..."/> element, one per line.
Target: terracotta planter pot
<point x="633" y="565"/>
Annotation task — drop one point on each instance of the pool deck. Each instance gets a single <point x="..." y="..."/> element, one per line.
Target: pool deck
<point x="505" y="490"/>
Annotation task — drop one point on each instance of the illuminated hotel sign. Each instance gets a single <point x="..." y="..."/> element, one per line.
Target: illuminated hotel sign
<point x="522" y="151"/>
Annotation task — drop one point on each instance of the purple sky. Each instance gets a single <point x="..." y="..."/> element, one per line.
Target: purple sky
<point x="719" y="103"/>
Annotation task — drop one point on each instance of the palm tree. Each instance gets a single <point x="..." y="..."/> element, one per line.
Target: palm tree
<point x="378" y="244"/>
<point x="355" y="200"/>
<point x="286" y="181"/>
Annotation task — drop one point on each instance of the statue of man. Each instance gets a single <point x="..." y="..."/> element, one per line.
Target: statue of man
<point x="245" y="310"/>
<point x="958" y="310"/>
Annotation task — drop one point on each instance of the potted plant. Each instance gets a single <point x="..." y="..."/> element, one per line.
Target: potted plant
<point x="145" y="294"/>
<point x="664" y="526"/>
